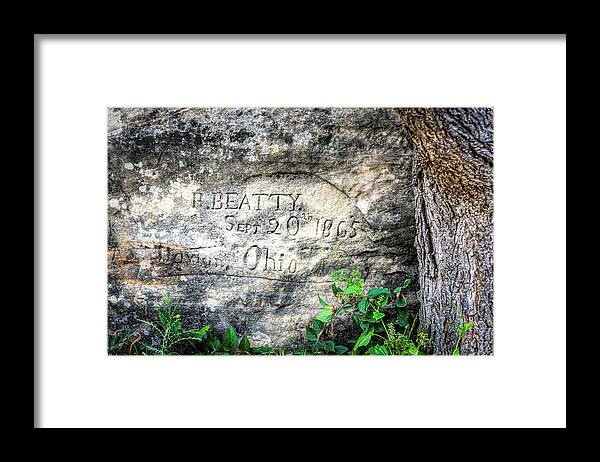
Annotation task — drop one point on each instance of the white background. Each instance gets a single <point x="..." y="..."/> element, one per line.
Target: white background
<point x="522" y="385"/>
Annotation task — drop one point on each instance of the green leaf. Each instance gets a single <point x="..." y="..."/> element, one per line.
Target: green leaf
<point x="402" y="318"/>
<point x="230" y="339"/>
<point x="382" y="300"/>
<point x="339" y="274"/>
<point x="370" y="317"/>
<point x="377" y="315"/>
<point x="244" y="344"/>
<point x="214" y="343"/>
<point x="401" y="302"/>
<point x="363" y="305"/>
<point x="151" y="349"/>
<point x="375" y="291"/>
<point x="201" y="333"/>
<point x="380" y="350"/>
<point x="330" y="346"/>
<point x="319" y="345"/>
<point x="340" y="349"/>
<point x="467" y="326"/>
<point x="262" y="350"/>
<point x="353" y="290"/>
<point x="363" y="325"/>
<point x="406" y="283"/>
<point x="324" y="304"/>
<point x="345" y="307"/>
<point x="317" y="325"/>
<point x="456" y="352"/>
<point x="336" y="290"/>
<point x="397" y="290"/>
<point x="302" y="352"/>
<point x="324" y="316"/>
<point x="311" y="335"/>
<point x="411" y="350"/>
<point x="364" y="339"/>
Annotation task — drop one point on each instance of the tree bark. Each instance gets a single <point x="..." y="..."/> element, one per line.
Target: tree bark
<point x="454" y="218"/>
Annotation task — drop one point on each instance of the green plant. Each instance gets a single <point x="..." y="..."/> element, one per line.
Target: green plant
<point x="382" y="321"/>
<point x="174" y="339"/>
<point x="270" y="351"/>
<point x="462" y="330"/>
<point x="400" y="343"/>
<point x="368" y="310"/>
<point x="124" y="341"/>
<point x="228" y="344"/>
<point x="169" y="330"/>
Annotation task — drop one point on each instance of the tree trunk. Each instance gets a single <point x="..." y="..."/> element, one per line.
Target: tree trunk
<point x="454" y="219"/>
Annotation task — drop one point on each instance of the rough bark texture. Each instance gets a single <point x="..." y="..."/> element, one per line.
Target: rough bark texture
<point x="454" y="219"/>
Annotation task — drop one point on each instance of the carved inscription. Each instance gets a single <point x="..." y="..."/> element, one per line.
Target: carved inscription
<point x="276" y="227"/>
<point x="259" y="258"/>
<point x="290" y="226"/>
<point x="254" y="201"/>
<point x="268" y="221"/>
<point x="187" y="258"/>
<point x="146" y="261"/>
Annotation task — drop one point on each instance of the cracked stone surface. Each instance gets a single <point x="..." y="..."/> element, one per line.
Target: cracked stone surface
<point x="242" y="213"/>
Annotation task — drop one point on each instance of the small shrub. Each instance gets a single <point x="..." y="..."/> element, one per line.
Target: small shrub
<point x="381" y="315"/>
<point x="169" y="330"/>
<point x="228" y="344"/>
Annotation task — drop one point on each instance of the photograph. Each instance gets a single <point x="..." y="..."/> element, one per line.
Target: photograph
<point x="224" y="224"/>
<point x="278" y="231"/>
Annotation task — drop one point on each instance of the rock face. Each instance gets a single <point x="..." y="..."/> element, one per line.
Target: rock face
<point x="243" y="213"/>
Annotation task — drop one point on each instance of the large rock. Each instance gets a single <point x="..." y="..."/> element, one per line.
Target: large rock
<point x="242" y="214"/>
